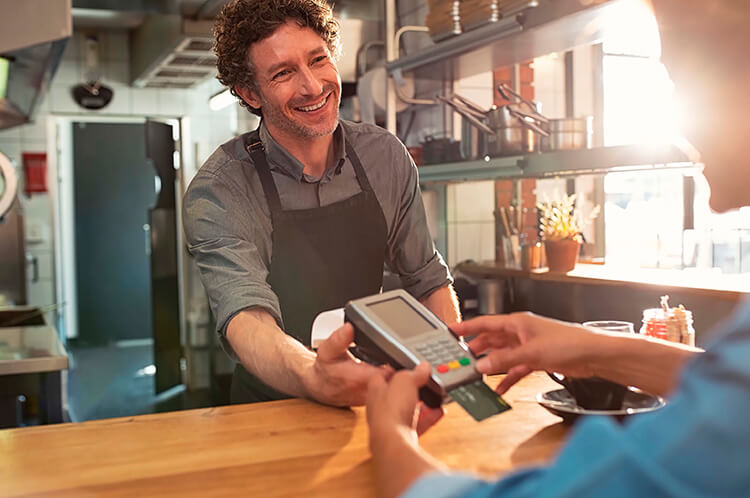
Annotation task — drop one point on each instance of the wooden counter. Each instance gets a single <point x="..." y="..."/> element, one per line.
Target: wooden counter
<point x="282" y="448"/>
<point x="731" y="287"/>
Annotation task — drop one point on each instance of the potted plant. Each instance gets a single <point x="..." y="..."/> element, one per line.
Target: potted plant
<point x="561" y="228"/>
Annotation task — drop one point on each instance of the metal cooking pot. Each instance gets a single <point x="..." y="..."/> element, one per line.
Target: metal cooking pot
<point x="568" y="134"/>
<point x="516" y="132"/>
<point x="509" y="129"/>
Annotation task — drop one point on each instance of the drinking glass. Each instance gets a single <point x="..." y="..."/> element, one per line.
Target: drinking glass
<point x="612" y="326"/>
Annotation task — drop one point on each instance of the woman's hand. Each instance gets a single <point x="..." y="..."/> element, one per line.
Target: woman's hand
<point x="520" y="343"/>
<point x="396" y="418"/>
<point x="393" y="406"/>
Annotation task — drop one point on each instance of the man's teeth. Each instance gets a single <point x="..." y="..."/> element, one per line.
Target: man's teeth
<point x="314" y="107"/>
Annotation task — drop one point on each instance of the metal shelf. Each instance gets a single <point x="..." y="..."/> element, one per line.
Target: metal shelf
<point x="553" y="26"/>
<point x="561" y="163"/>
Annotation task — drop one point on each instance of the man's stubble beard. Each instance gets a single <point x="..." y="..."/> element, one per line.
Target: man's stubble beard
<point x="275" y="115"/>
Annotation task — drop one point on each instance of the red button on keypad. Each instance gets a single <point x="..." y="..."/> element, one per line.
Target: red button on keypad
<point x="442" y="369"/>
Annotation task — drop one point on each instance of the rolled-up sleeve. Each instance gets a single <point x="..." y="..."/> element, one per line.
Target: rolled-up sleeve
<point x="694" y="446"/>
<point x="411" y="252"/>
<point x="226" y="240"/>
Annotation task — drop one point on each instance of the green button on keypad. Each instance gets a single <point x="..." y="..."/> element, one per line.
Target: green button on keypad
<point x="464" y="361"/>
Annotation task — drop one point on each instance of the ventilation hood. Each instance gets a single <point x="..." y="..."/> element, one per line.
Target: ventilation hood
<point x="31" y="47"/>
<point x="175" y="52"/>
<point x="169" y="51"/>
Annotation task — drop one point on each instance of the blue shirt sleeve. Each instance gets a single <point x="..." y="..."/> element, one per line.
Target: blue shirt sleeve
<point x="696" y="446"/>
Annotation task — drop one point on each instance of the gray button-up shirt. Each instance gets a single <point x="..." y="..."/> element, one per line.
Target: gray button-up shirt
<point x="227" y="220"/>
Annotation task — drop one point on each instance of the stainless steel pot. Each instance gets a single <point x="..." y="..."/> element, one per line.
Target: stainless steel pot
<point x="569" y="134"/>
<point x="516" y="132"/>
<point x="509" y="129"/>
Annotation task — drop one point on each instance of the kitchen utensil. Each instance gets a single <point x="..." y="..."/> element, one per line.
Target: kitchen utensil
<point x="506" y="91"/>
<point x="513" y="219"/>
<point x="515" y="130"/>
<point x="568" y="134"/>
<point x="461" y="108"/>
<point x="440" y="150"/>
<point x="506" y="222"/>
<point x="474" y="132"/>
<point x="509" y="130"/>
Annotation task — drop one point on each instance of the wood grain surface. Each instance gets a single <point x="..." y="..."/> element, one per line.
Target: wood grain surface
<point x="281" y="448"/>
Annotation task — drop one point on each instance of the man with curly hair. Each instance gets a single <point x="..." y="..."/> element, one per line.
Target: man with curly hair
<point x="301" y="215"/>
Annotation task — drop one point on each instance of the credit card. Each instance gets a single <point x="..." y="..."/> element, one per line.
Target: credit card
<point x="479" y="400"/>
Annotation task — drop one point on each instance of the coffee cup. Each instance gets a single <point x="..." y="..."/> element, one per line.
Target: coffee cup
<point x="593" y="393"/>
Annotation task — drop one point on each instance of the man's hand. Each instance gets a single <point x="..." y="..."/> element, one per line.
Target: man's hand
<point x="520" y="343"/>
<point x="337" y="378"/>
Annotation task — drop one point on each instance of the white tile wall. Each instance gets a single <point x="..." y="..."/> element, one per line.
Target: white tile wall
<point x="471" y="241"/>
<point x="171" y="102"/>
<point x="470" y="221"/>
<point x="144" y="101"/>
<point x="61" y="101"/>
<point x="474" y="202"/>
<point x="209" y="129"/>
<point x="120" y="103"/>
<point x="11" y="149"/>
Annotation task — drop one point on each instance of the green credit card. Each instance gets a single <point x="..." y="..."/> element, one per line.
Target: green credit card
<point x="479" y="400"/>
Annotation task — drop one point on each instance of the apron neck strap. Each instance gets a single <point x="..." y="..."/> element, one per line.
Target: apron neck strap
<point x="258" y="154"/>
<point x="364" y="183"/>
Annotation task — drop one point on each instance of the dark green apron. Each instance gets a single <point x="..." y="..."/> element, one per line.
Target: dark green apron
<point x="321" y="258"/>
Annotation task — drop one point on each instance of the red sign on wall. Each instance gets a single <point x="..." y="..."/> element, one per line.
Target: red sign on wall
<point x="35" y="172"/>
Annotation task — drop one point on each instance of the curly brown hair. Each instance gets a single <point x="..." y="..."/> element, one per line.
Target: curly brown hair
<point x="244" y="22"/>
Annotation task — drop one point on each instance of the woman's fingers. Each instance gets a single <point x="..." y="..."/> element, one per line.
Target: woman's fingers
<point x="514" y="375"/>
<point x="503" y="360"/>
<point x="485" y="324"/>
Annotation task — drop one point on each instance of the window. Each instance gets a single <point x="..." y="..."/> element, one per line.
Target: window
<point x="645" y="220"/>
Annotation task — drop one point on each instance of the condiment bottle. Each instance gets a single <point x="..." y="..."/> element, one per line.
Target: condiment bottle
<point x="672" y="324"/>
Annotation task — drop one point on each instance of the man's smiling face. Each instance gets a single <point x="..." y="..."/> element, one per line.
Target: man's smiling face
<point x="298" y="87"/>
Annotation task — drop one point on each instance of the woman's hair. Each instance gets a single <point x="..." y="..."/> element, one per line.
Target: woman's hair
<point x="244" y="22"/>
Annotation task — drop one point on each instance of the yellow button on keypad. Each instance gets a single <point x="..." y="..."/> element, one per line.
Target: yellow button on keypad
<point x="454" y="365"/>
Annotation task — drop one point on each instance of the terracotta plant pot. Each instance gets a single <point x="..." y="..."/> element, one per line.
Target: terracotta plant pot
<point x="561" y="254"/>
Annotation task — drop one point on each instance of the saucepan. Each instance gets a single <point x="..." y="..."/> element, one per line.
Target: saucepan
<point x="568" y="134"/>
<point x="508" y="129"/>
<point x="562" y="134"/>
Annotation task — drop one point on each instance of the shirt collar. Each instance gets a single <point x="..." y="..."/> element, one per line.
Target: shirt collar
<point x="280" y="159"/>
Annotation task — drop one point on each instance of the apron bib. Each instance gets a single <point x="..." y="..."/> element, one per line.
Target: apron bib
<point x="321" y="258"/>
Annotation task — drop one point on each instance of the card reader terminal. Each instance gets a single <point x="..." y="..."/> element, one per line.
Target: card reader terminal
<point x="394" y="328"/>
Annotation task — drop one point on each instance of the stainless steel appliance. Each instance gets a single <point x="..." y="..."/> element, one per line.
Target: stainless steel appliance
<point x="12" y="250"/>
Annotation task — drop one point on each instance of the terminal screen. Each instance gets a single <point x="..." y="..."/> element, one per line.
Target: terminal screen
<point x="401" y="317"/>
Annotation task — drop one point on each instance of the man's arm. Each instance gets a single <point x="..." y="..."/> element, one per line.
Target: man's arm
<point x="332" y="376"/>
<point x="267" y="352"/>
<point x="444" y="303"/>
